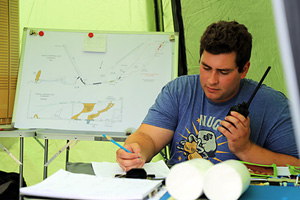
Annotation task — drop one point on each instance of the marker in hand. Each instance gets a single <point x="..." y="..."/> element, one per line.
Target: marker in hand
<point x="109" y="138"/>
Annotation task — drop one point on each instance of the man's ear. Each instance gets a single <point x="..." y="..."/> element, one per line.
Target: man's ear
<point x="245" y="70"/>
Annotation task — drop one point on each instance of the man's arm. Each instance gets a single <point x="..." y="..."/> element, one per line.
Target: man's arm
<point x="259" y="155"/>
<point x="237" y="133"/>
<point x="145" y="143"/>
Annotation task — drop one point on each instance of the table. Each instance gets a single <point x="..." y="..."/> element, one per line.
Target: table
<point x="255" y="192"/>
<point x="252" y="193"/>
<point x="271" y="192"/>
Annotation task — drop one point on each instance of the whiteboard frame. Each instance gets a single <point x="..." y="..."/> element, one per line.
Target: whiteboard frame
<point x="175" y="50"/>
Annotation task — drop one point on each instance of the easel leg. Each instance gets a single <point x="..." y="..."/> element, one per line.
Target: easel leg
<point x="67" y="155"/>
<point x="21" y="166"/>
<point x="45" y="159"/>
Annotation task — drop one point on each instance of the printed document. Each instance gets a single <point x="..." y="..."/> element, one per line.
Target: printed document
<point x="67" y="185"/>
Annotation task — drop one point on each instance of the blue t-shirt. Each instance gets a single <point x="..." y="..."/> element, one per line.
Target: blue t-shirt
<point x="183" y="108"/>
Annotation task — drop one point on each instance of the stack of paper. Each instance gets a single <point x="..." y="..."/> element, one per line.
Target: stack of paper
<point x="68" y="185"/>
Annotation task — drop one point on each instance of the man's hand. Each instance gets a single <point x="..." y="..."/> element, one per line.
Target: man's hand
<point x="145" y="143"/>
<point x="236" y="128"/>
<point x="127" y="160"/>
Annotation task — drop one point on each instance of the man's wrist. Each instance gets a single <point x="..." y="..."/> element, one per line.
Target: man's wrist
<point x="246" y="154"/>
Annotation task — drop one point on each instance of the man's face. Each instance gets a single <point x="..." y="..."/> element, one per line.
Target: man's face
<point x="219" y="76"/>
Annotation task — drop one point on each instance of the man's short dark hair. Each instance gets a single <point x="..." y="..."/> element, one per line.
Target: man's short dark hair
<point x="227" y="37"/>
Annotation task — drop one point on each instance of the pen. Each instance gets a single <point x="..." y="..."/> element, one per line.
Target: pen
<point x="285" y="184"/>
<point x="109" y="138"/>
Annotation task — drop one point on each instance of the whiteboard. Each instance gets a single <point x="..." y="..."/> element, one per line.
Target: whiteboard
<point x="91" y="80"/>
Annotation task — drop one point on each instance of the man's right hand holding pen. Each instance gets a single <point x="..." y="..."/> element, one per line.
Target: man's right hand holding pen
<point x="127" y="160"/>
<point x="144" y="144"/>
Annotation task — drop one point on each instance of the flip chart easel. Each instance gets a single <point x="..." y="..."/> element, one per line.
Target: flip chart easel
<point x="90" y="81"/>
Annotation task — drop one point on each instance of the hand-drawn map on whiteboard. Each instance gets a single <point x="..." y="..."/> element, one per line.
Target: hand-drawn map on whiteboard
<point x="90" y="80"/>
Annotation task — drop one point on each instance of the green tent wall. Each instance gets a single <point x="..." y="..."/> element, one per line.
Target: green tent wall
<point x="256" y="15"/>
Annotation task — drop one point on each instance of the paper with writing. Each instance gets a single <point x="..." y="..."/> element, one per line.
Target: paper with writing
<point x="67" y="185"/>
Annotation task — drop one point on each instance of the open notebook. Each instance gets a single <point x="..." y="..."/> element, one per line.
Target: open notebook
<point x="67" y="185"/>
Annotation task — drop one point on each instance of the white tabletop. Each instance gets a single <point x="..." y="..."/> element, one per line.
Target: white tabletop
<point x="79" y="135"/>
<point x="17" y="133"/>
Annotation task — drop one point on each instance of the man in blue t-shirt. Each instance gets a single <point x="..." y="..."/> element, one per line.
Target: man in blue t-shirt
<point x="191" y="111"/>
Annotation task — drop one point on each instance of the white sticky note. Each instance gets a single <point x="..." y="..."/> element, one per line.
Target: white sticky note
<point x="96" y="43"/>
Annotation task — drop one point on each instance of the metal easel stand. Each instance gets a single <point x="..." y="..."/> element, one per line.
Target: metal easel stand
<point x="68" y="146"/>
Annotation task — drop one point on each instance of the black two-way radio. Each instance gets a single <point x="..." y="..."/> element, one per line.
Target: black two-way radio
<point x="242" y="108"/>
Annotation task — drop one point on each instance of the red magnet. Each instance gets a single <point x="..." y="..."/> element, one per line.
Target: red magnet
<point x="91" y="35"/>
<point x="41" y="33"/>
